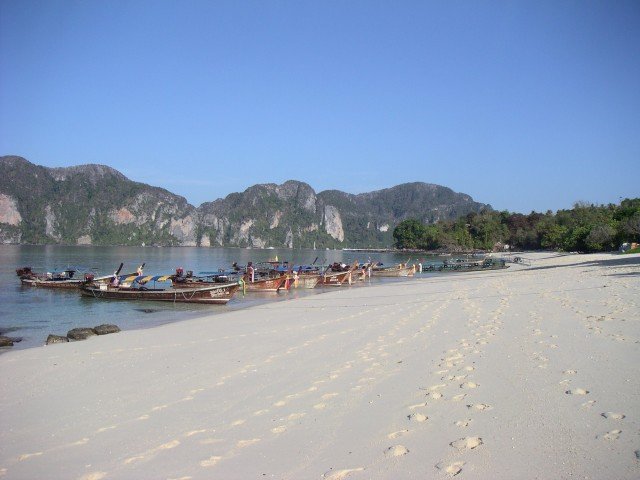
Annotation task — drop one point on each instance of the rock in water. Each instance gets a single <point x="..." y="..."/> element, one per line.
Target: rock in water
<point x="5" y="341"/>
<point x="56" y="339"/>
<point x="106" y="329"/>
<point x="81" y="333"/>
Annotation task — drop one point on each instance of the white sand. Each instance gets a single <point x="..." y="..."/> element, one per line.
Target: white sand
<point x="531" y="372"/>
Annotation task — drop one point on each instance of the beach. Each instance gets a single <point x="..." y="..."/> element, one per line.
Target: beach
<point x="529" y="372"/>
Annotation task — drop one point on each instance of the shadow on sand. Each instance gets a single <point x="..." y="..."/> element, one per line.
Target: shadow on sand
<point x="614" y="261"/>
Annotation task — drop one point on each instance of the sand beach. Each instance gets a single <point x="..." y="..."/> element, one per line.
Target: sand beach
<point x="526" y="373"/>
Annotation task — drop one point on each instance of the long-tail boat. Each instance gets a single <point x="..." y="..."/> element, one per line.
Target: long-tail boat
<point x="461" y="265"/>
<point x="400" y="270"/>
<point x="276" y="284"/>
<point x="135" y="288"/>
<point x="306" y="280"/>
<point x="301" y="276"/>
<point x="338" y="274"/>
<point x="269" y="280"/>
<point x="63" y="279"/>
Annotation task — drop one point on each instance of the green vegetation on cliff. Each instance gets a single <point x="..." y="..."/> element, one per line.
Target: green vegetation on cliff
<point x="95" y="204"/>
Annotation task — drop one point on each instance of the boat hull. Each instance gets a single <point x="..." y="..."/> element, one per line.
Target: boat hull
<point x="336" y="279"/>
<point x="393" y="272"/>
<point x="215" y="294"/>
<point x="61" y="284"/>
<point x="268" y="285"/>
<point x="306" y="281"/>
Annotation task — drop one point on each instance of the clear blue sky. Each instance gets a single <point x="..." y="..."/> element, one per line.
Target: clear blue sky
<point x="524" y="105"/>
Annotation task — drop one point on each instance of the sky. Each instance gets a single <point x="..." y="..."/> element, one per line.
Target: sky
<point x="526" y="106"/>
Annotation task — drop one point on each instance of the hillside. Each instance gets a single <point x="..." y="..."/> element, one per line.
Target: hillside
<point x="97" y="205"/>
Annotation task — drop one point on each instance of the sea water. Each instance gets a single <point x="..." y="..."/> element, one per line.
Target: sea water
<point x="32" y="313"/>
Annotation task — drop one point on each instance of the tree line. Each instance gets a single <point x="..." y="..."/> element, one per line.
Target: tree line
<point x="584" y="228"/>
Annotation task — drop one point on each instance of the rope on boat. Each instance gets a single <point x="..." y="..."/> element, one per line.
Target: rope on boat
<point x="184" y="297"/>
<point x="93" y="292"/>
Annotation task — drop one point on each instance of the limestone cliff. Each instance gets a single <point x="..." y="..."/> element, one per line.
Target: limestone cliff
<point x="95" y="204"/>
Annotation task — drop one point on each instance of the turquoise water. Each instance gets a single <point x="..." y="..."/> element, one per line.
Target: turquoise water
<point x="34" y="313"/>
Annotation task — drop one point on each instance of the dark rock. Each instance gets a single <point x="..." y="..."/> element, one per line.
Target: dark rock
<point x="5" y="341"/>
<point x="56" y="339"/>
<point x="106" y="329"/>
<point x="81" y="333"/>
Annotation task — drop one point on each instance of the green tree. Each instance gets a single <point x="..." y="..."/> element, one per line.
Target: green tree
<point x="409" y="234"/>
<point x="601" y="237"/>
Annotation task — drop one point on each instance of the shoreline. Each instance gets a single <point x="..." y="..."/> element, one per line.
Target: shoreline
<point x="528" y="372"/>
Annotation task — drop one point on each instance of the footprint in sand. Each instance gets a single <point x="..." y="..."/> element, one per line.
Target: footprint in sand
<point x="577" y="391"/>
<point x="435" y="395"/>
<point x="327" y="396"/>
<point x="612" y="435"/>
<point x="588" y="404"/>
<point x="452" y="470"/>
<point x="246" y="443"/>
<point x="467" y="443"/>
<point x="133" y="459"/>
<point x="210" y="441"/>
<point x="434" y="388"/>
<point x="480" y="406"/>
<point x="466" y="385"/>
<point x="341" y="474"/>
<point x="210" y="462"/>
<point x="463" y="423"/>
<point x="396" y="451"/>
<point x="29" y="455"/>
<point x="397" y="434"/>
<point x="417" y="417"/>
<point x="168" y="445"/>
<point x="104" y="429"/>
<point x="90" y="476"/>
<point x="457" y="398"/>
<point x="613" y="416"/>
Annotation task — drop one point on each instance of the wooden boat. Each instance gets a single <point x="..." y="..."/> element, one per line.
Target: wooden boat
<point x="276" y="284"/>
<point x="67" y="283"/>
<point x="213" y="294"/>
<point x="400" y="270"/>
<point x="300" y="276"/>
<point x="64" y="279"/>
<point x="362" y="273"/>
<point x="306" y="280"/>
<point x="467" y="266"/>
<point x="334" y="278"/>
